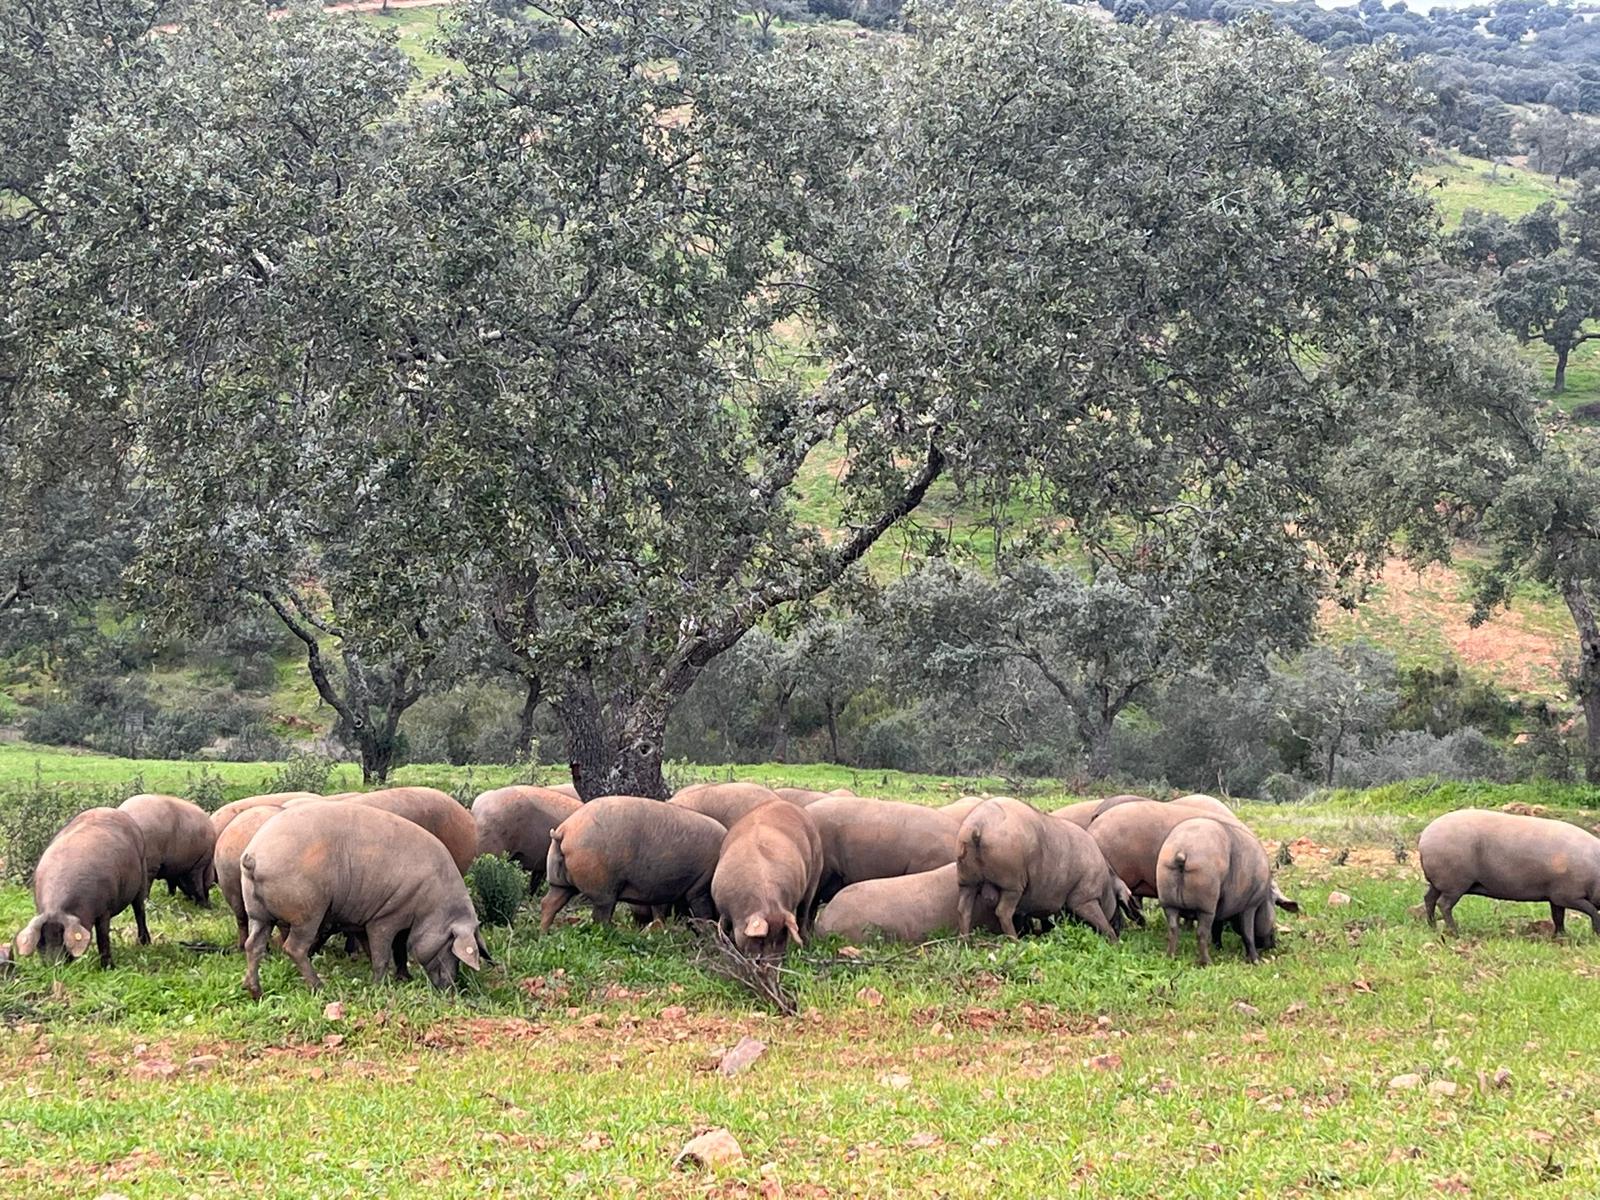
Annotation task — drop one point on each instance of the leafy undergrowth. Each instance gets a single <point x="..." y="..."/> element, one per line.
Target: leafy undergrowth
<point x="582" y="1061"/>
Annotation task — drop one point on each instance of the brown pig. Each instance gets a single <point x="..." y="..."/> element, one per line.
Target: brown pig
<point x="1080" y="814"/>
<point x="1130" y="836"/>
<point x="92" y="870"/>
<point x="1205" y="803"/>
<point x="906" y="908"/>
<point x="231" y="843"/>
<point x="1505" y="856"/>
<point x="1111" y="802"/>
<point x="765" y="884"/>
<point x="516" y="822"/>
<point x="638" y="851"/>
<point x="805" y="797"/>
<point x="1216" y="872"/>
<point x="356" y="869"/>
<point x="178" y="839"/>
<point x="1040" y="866"/>
<point x="724" y="803"/>
<point x="433" y="810"/>
<point x="877" y="839"/>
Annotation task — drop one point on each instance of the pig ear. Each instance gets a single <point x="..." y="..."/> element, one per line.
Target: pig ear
<point x="1286" y="904"/>
<point x="465" y="948"/>
<point x="794" y="929"/>
<point x="76" y="936"/>
<point x="28" y="940"/>
<point x="756" y="927"/>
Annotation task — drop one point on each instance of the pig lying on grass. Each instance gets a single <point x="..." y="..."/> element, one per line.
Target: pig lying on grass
<point x="906" y="908"/>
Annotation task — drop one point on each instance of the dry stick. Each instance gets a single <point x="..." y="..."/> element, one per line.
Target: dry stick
<point x="720" y="955"/>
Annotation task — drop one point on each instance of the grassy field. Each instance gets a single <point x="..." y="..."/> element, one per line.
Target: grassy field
<point x="1058" y="1066"/>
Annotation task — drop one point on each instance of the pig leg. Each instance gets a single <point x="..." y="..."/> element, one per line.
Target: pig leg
<point x="244" y="928"/>
<point x="701" y="906"/>
<point x="1247" y="930"/>
<point x="554" y="901"/>
<point x="144" y="929"/>
<point x="1092" y="915"/>
<point x="1172" y="932"/>
<point x="102" y="937"/>
<point x="402" y="970"/>
<point x="1006" y="910"/>
<point x="1203" y="924"/>
<point x="1558" y="920"/>
<point x="380" y="947"/>
<point x="966" y="898"/>
<point x="255" y="947"/>
<point x="1429" y="903"/>
<point x="298" y="947"/>
<point x="1588" y="910"/>
<point x="1447" y="909"/>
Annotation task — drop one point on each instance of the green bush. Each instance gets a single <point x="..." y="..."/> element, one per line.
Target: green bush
<point x="30" y="817"/>
<point x="498" y="888"/>
<point x="302" y="773"/>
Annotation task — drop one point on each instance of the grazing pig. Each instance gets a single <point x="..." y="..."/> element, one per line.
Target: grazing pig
<point x="1504" y="856"/>
<point x="231" y="843"/>
<point x="877" y="839"/>
<point x="1040" y="867"/>
<point x="178" y="839"/>
<point x="638" y="851"/>
<point x="1216" y="872"/>
<point x="765" y="884"/>
<point x="221" y="818"/>
<point x="92" y="870"/>
<point x="960" y="808"/>
<point x="435" y="811"/>
<point x="724" y="803"/>
<point x="516" y="822"/>
<point x="906" y="908"/>
<point x="359" y="870"/>
<point x="1130" y="836"/>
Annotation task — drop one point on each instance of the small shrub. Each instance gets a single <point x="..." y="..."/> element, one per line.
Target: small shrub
<point x="1284" y="857"/>
<point x="498" y="888"/>
<point x="302" y="773"/>
<point x="1342" y="857"/>
<point x="1400" y="851"/>
<point x="30" y="817"/>
<point x="206" y="790"/>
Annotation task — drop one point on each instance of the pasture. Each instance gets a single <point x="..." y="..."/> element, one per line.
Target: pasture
<point x="1366" y="1055"/>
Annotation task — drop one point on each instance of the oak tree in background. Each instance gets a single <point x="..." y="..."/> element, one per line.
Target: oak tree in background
<point x="571" y="340"/>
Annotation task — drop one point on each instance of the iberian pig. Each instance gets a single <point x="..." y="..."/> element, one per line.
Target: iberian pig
<point x="1216" y="872"/>
<point x="765" y="884"/>
<point x="516" y="822"/>
<point x="433" y="810"/>
<point x="1039" y="865"/>
<point x="877" y="839"/>
<point x="633" y="850"/>
<point x="1505" y="856"/>
<point x="92" y="870"/>
<point x="231" y="843"/>
<point x="724" y="803"/>
<point x="178" y="838"/>
<point x="358" y="870"/>
<point x="906" y="908"/>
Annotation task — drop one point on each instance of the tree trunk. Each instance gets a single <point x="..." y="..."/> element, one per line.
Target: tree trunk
<point x="780" y="751"/>
<point x="530" y="705"/>
<point x="1100" y="746"/>
<point x="1588" y="674"/>
<point x="833" y="730"/>
<point x="615" y="747"/>
<point x="1561" y="367"/>
<point x="1333" y="757"/>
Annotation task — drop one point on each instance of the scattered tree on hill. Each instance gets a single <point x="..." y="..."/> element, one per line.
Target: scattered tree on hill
<point x="1334" y="698"/>
<point x="1551" y="298"/>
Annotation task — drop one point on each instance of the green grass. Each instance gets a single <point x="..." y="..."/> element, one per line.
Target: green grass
<point x="1458" y="183"/>
<point x="415" y="30"/>
<point x="1057" y="1066"/>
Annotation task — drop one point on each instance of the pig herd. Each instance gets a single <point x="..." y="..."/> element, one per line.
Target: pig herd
<point x="385" y="869"/>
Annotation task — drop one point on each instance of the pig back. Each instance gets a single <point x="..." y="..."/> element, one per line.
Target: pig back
<point x="725" y="803"/>
<point x="178" y="835"/>
<point x="1508" y="856"/>
<point x="874" y="839"/>
<point x="517" y="821"/>
<point x="433" y="810"/>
